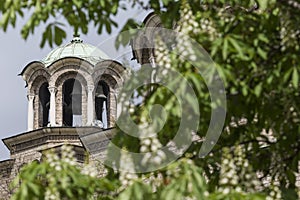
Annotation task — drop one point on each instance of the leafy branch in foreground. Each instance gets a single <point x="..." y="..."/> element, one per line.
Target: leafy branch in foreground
<point x="255" y="46"/>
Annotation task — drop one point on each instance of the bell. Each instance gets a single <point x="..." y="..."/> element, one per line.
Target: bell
<point x="99" y="92"/>
<point x="76" y="90"/>
<point x="76" y="96"/>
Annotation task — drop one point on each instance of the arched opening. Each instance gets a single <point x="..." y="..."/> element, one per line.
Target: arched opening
<point x="72" y="103"/>
<point x="101" y="107"/>
<point x="44" y="97"/>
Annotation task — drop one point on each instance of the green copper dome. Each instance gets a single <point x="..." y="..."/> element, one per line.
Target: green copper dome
<point x="76" y="48"/>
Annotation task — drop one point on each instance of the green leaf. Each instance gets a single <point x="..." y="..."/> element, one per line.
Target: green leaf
<point x="102" y="3"/>
<point x="258" y="89"/>
<point x="59" y="34"/>
<point x="291" y="176"/>
<point x="77" y="3"/>
<point x="263" y="4"/>
<point x="108" y="27"/>
<point x="165" y="2"/>
<point x="49" y="35"/>
<point x="263" y="38"/>
<point x="262" y="53"/>
<point x="44" y="38"/>
<point x="225" y="48"/>
<point x="126" y="194"/>
<point x="196" y="80"/>
<point x="237" y="47"/>
<point x="4" y="20"/>
<point x="170" y="194"/>
<point x="287" y="75"/>
<point x="245" y="91"/>
<point x="7" y="4"/>
<point x="295" y="78"/>
<point x="138" y="191"/>
<point x="34" y="188"/>
<point x="270" y="79"/>
<point x="99" y="31"/>
<point x="114" y="8"/>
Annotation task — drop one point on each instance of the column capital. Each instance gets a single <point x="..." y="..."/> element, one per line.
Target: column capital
<point x="90" y="88"/>
<point x="30" y="97"/>
<point x="52" y="89"/>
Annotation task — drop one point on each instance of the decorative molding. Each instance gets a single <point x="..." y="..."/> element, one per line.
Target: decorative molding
<point x="52" y="89"/>
<point x="30" y="97"/>
<point x="90" y="88"/>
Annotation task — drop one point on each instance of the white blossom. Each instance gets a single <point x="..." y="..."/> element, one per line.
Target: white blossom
<point x="127" y="169"/>
<point x="151" y="146"/>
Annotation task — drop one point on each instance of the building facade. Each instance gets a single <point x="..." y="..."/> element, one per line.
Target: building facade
<point x="72" y="99"/>
<point x="71" y="94"/>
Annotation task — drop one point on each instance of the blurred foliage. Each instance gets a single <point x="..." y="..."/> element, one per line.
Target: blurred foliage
<point x="59" y="178"/>
<point x="255" y="45"/>
<point x="77" y="14"/>
<point x="56" y="177"/>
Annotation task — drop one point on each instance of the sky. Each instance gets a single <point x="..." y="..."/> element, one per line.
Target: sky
<point x="16" y="53"/>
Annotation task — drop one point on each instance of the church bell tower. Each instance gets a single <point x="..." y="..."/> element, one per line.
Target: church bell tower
<point x="74" y="86"/>
<point x="72" y="93"/>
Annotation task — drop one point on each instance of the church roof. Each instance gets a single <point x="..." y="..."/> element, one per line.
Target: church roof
<point x="42" y="136"/>
<point x="76" y="48"/>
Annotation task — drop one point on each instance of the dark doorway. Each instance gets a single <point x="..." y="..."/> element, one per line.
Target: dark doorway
<point x="44" y="96"/>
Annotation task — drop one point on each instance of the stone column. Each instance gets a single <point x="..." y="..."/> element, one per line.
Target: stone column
<point x="90" y="105"/>
<point x="52" y="111"/>
<point x="30" y="112"/>
<point x="153" y="74"/>
<point x="152" y="61"/>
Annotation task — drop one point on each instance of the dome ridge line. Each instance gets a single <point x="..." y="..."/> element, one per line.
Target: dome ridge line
<point x="76" y="48"/>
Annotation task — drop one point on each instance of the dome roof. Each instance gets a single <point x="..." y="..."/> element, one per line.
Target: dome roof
<point x="76" y="48"/>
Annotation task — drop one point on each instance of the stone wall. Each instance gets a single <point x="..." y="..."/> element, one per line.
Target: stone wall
<point x="28" y="147"/>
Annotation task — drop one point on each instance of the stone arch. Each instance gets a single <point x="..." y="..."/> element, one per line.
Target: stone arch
<point x="152" y="20"/>
<point x="35" y="80"/>
<point x="110" y="72"/>
<point x="70" y="63"/>
<point x="33" y="89"/>
<point x="110" y="80"/>
<point x="111" y="97"/>
<point x="110" y="68"/>
<point x="31" y="68"/>
<point x="67" y="69"/>
<point x="143" y="44"/>
<point x="71" y="74"/>
<point x="59" y="81"/>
